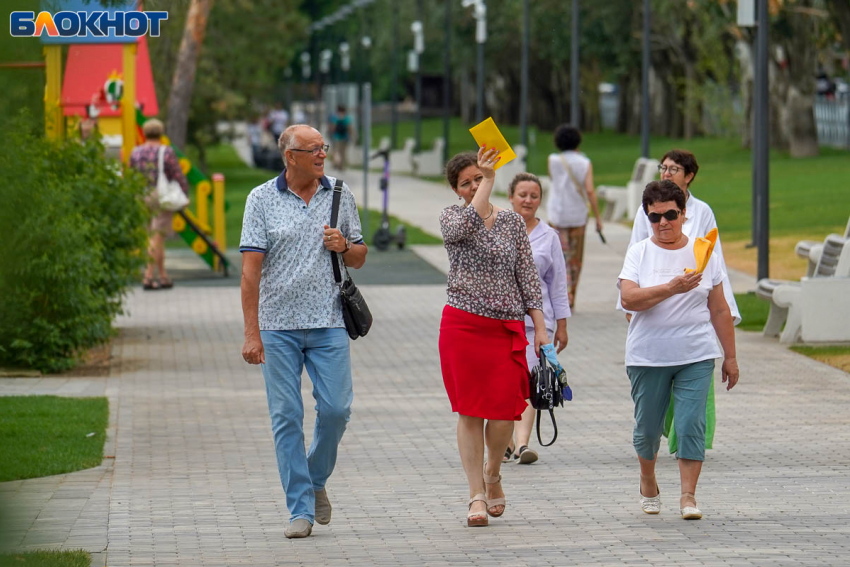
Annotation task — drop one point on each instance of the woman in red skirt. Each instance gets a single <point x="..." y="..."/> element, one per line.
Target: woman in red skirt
<point x="492" y="285"/>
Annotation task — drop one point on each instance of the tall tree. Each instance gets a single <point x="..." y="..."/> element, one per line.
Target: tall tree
<point x="183" y="82"/>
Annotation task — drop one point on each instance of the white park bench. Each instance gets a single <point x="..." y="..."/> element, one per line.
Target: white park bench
<point x="355" y="154"/>
<point x="811" y="249"/>
<point x="401" y="161"/>
<point x="430" y="162"/>
<point x="620" y="201"/>
<point x="817" y="308"/>
<point x="506" y="173"/>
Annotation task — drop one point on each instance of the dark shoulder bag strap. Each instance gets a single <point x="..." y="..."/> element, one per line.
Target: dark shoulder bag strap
<point x="548" y="375"/>
<point x="334" y="218"/>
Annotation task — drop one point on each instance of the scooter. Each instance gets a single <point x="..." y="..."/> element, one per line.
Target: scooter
<point x="383" y="238"/>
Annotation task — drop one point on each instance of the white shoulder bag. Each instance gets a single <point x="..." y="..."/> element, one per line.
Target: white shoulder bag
<point x="169" y="192"/>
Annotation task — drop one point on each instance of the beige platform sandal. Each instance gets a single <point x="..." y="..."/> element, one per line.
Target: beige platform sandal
<point x="477" y="519"/>
<point x="493" y="502"/>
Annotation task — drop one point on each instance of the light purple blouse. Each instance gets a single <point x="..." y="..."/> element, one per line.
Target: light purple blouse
<point x="552" y="268"/>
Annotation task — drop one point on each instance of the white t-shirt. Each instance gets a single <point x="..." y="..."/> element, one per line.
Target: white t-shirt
<point x="565" y="207"/>
<point x="700" y="220"/>
<point x="678" y="330"/>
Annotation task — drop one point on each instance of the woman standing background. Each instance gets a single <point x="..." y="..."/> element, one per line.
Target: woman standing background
<point x="572" y="178"/>
<point x="492" y="285"/>
<point x="145" y="159"/>
<point x="525" y="194"/>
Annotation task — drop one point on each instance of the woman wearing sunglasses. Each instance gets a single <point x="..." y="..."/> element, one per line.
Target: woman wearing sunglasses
<point x="672" y="342"/>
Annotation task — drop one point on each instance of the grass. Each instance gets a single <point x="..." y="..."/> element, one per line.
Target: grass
<point x="78" y="558"/>
<point x="47" y="435"/>
<point x="753" y="311"/>
<point x="837" y="356"/>
<point x="808" y="197"/>
<point x="241" y="179"/>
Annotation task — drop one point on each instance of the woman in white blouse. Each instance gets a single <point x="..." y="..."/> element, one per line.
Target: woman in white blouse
<point x="672" y="342"/>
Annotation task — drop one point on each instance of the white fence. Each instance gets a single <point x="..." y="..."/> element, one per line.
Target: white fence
<point x="833" y="121"/>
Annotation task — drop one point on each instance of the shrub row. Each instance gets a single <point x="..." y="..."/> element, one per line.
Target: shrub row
<point x="72" y="239"/>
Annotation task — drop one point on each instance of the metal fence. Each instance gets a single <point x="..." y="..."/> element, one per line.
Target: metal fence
<point x="832" y="117"/>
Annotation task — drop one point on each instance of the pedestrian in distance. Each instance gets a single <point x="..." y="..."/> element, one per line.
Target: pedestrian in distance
<point x="145" y="159"/>
<point x="492" y="285"/>
<point x="293" y="315"/>
<point x="572" y="184"/>
<point x="672" y="340"/>
<point x="525" y="194"/>
<point x="340" y="126"/>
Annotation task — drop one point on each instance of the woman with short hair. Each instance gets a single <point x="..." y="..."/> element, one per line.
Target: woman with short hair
<point x="492" y="285"/>
<point x="572" y="183"/>
<point x="672" y="342"/>
<point x="145" y="160"/>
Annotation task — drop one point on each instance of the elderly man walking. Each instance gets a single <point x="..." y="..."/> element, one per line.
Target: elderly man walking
<point x="293" y="316"/>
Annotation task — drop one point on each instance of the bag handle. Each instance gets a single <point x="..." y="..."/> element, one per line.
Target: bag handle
<point x="334" y="218"/>
<point x="555" y="425"/>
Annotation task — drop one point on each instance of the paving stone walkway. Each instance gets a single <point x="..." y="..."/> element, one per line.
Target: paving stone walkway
<point x="194" y="480"/>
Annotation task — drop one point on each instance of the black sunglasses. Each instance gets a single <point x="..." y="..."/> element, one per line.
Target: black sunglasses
<point x="670" y="215"/>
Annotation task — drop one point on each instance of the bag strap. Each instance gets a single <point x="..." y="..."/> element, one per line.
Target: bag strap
<point x="555" y="425"/>
<point x="337" y="194"/>
<point x="579" y="186"/>
<point x="160" y="168"/>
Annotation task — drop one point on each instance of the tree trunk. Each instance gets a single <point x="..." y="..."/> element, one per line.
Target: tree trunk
<point x="183" y="82"/>
<point x="802" y="130"/>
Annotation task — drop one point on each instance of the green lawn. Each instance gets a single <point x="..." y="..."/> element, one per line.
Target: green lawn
<point x="807" y="195"/>
<point x="753" y="311"/>
<point x="47" y="435"/>
<point x="241" y="179"/>
<point x="77" y="558"/>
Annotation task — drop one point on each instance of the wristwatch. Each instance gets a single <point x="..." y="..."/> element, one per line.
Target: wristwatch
<point x="347" y="246"/>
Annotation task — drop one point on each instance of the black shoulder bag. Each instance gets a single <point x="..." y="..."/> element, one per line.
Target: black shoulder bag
<point x="545" y="394"/>
<point x="355" y="312"/>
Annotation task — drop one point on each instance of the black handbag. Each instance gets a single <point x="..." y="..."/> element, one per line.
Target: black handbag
<point x="545" y="394"/>
<point x="355" y="312"/>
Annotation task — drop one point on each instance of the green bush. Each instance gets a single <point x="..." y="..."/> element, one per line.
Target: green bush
<point x="73" y="238"/>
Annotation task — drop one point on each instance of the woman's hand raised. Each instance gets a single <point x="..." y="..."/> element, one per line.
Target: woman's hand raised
<point x="487" y="160"/>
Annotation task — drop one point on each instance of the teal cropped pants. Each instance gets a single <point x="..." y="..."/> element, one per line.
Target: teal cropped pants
<point x="652" y="387"/>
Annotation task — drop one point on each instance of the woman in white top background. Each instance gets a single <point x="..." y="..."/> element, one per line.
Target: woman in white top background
<point x="572" y="182"/>
<point x="672" y="342"/>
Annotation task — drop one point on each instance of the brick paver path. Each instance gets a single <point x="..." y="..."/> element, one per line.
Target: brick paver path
<point x="195" y="481"/>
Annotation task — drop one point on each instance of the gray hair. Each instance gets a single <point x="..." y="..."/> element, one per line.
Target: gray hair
<point x="289" y="138"/>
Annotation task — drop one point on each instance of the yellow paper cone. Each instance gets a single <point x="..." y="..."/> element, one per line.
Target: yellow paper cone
<point x="488" y="134"/>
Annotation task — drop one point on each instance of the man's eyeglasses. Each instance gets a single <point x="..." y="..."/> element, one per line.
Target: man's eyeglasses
<point x="673" y="169"/>
<point x="315" y="151"/>
<point x="670" y="215"/>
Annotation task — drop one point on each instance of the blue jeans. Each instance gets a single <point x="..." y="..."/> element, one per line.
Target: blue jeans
<point x="652" y="387"/>
<point x="326" y="354"/>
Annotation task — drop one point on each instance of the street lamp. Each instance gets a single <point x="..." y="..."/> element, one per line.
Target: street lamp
<point x="305" y="65"/>
<point x="418" y="49"/>
<point x="480" y="14"/>
<point x="344" y="58"/>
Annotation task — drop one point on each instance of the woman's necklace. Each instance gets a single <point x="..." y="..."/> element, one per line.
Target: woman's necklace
<point x="491" y="212"/>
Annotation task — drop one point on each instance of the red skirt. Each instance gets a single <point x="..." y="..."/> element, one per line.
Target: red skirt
<point x="484" y="366"/>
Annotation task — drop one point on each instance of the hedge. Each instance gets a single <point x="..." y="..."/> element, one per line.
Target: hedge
<point x="73" y="228"/>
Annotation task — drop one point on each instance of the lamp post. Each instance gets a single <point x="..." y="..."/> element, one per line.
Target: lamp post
<point x="644" y="85"/>
<point x="762" y="148"/>
<point x="575" y="105"/>
<point x="480" y="14"/>
<point x="447" y="80"/>
<point x="325" y="58"/>
<point x="523" y="88"/>
<point x="418" y="48"/>
<point x="394" y="80"/>
<point x="366" y="45"/>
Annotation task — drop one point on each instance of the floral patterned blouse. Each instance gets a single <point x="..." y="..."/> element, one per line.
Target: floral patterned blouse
<point x="491" y="272"/>
<point x="144" y="160"/>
